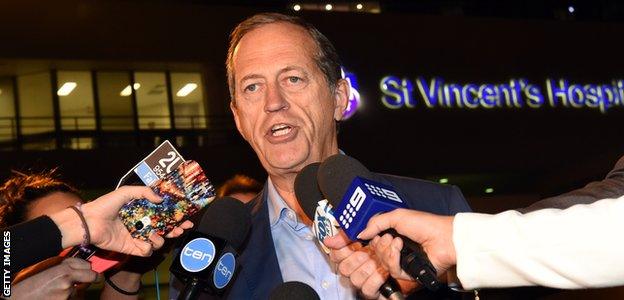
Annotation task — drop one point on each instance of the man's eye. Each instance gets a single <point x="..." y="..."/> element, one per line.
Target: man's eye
<point x="294" y="79"/>
<point x="251" y="88"/>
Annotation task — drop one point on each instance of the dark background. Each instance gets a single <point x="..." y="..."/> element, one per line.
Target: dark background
<point x="524" y="154"/>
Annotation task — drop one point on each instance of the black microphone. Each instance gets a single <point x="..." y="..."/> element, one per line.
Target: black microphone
<point x="357" y="196"/>
<point x="324" y="224"/>
<point x="293" y="290"/>
<point x="207" y="260"/>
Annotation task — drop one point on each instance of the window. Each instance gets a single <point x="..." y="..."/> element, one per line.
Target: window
<point x="75" y="92"/>
<point x="115" y="97"/>
<point x="35" y="97"/>
<point x="151" y="95"/>
<point x="188" y="100"/>
<point x="8" y="128"/>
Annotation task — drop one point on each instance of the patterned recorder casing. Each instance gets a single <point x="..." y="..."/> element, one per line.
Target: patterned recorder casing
<point x="185" y="191"/>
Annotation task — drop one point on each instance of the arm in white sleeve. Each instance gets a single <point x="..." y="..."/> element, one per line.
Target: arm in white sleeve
<point x="579" y="247"/>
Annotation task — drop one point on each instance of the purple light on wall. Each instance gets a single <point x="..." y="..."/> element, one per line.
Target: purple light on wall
<point x="354" y="95"/>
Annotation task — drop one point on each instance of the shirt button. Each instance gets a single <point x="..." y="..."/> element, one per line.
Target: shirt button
<point x="291" y="215"/>
<point x="309" y="237"/>
<point x="325" y="284"/>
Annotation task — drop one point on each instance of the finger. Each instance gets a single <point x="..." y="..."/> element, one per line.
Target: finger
<point x="130" y="192"/>
<point x="379" y="223"/>
<point x="82" y="275"/>
<point x="141" y="248"/>
<point x="384" y="241"/>
<point x="176" y="232"/>
<point x="366" y="269"/>
<point x="374" y="242"/>
<point x="353" y="262"/>
<point x="186" y="225"/>
<point x="157" y="241"/>
<point x="337" y="256"/>
<point x="370" y="288"/>
<point x="77" y="263"/>
<point x="391" y="257"/>
<point x="337" y="241"/>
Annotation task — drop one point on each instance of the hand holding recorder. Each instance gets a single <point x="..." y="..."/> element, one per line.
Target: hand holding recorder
<point x="105" y="228"/>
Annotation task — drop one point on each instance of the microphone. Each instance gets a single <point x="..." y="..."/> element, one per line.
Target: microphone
<point x="206" y="261"/>
<point x="293" y="290"/>
<point x="350" y="188"/>
<point x="324" y="225"/>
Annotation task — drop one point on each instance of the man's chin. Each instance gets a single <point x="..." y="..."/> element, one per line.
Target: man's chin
<point x="286" y="164"/>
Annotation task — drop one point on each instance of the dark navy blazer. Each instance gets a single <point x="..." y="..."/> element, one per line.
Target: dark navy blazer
<point x="259" y="270"/>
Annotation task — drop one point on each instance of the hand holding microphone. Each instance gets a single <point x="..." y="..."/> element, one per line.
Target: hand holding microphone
<point x="433" y="232"/>
<point x="356" y="198"/>
<point x="365" y="272"/>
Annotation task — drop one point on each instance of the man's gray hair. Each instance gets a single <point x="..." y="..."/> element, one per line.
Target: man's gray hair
<point x="325" y="57"/>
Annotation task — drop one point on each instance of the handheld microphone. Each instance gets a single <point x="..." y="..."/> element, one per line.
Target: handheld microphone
<point x="293" y="290"/>
<point x="324" y="225"/>
<point x="206" y="261"/>
<point x="350" y="188"/>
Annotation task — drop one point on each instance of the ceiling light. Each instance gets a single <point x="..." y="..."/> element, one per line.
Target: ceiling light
<point x="443" y="180"/>
<point x="297" y="7"/>
<point x="328" y="7"/>
<point x="187" y="89"/>
<point x="571" y="9"/>
<point x="66" y="89"/>
<point x="127" y="91"/>
<point x="359" y="6"/>
<point x="489" y="190"/>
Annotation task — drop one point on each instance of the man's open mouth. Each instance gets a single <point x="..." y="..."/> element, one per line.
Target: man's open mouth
<point x="280" y="129"/>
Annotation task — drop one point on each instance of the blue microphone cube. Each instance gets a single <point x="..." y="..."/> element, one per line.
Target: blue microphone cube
<point x="363" y="200"/>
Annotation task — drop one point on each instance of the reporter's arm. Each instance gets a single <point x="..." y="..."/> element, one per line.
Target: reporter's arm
<point x="580" y="247"/>
<point x="32" y="241"/>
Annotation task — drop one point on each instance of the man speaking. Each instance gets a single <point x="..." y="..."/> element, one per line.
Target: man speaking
<point x="287" y="96"/>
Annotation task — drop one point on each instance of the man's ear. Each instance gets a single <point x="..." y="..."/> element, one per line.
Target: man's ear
<point x="234" y="110"/>
<point x="341" y="98"/>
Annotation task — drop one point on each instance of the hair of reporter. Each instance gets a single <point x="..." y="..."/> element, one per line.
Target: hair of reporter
<point x="239" y="184"/>
<point x="20" y="190"/>
<point x="326" y="56"/>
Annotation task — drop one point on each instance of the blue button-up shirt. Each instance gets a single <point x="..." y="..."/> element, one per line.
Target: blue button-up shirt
<point x="300" y="257"/>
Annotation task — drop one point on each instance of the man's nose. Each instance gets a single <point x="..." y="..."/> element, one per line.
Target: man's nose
<point x="275" y="100"/>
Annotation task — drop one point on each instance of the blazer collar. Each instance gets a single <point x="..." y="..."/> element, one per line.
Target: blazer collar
<point x="259" y="261"/>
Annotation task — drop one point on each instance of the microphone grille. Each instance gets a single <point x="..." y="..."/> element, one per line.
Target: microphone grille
<point x="307" y="189"/>
<point x="335" y="175"/>
<point x="227" y="218"/>
<point x="294" y="290"/>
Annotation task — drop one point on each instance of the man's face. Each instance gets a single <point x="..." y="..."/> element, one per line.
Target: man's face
<point x="283" y="104"/>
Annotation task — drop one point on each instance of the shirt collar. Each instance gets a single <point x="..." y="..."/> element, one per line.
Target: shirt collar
<point x="277" y="205"/>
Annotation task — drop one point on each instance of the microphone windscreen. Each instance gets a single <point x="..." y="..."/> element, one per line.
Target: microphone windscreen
<point x="228" y="219"/>
<point x="293" y="290"/>
<point x="307" y="190"/>
<point x="335" y="175"/>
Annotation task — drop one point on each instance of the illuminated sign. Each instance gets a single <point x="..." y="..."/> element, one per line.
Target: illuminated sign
<point x="517" y="93"/>
<point x="354" y="94"/>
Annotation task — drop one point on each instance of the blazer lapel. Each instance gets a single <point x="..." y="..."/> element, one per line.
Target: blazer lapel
<point x="259" y="261"/>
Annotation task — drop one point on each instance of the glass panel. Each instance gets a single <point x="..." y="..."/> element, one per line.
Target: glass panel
<point x="188" y="100"/>
<point x="151" y="97"/>
<point x="114" y="94"/>
<point x="75" y="93"/>
<point x="35" y="97"/>
<point x="7" y="111"/>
